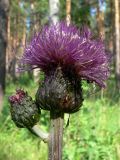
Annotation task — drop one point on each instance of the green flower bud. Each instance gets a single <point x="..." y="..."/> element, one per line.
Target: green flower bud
<point x="59" y="94"/>
<point x="24" y="110"/>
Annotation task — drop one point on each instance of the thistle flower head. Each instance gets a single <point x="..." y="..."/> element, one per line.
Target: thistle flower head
<point x="76" y="52"/>
<point x="66" y="55"/>
<point x="24" y="111"/>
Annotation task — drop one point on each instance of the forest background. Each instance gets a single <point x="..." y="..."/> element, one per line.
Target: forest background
<point x="93" y="132"/>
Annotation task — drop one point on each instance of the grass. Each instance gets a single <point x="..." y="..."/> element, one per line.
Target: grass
<point x="93" y="132"/>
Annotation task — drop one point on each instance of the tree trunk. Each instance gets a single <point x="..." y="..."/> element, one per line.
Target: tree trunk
<point x="4" y="6"/>
<point x="14" y="44"/>
<point x="100" y="26"/>
<point x="8" y="51"/>
<point x="54" y="10"/>
<point x="100" y="20"/>
<point x="12" y="67"/>
<point x="111" y="42"/>
<point x="117" y="43"/>
<point x="34" y="27"/>
<point x="68" y="11"/>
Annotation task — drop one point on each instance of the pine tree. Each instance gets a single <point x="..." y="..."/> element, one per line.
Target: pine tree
<point x="117" y="42"/>
<point x="4" y="8"/>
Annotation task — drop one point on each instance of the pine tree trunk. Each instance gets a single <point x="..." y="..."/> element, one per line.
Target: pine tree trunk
<point x="34" y="28"/>
<point x="14" y="44"/>
<point x="111" y="42"/>
<point x="100" y="20"/>
<point x="117" y="43"/>
<point x="68" y="11"/>
<point x="4" y="6"/>
<point x="13" y="56"/>
<point x="54" y="10"/>
<point x="100" y="26"/>
<point x="8" y="51"/>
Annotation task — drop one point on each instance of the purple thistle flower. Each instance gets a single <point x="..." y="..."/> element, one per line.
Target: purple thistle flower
<point x="76" y="52"/>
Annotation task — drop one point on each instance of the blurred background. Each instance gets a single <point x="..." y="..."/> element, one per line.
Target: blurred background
<point x="93" y="132"/>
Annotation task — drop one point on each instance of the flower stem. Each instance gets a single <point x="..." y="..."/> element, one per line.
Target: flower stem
<point x="56" y="136"/>
<point x="40" y="133"/>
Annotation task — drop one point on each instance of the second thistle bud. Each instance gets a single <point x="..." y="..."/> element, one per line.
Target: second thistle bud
<point x="24" y="110"/>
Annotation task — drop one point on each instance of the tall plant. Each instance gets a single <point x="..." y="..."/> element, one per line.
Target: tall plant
<point x="66" y="56"/>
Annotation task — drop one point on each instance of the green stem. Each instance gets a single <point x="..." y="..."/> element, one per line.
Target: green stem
<point x="36" y="130"/>
<point x="56" y="136"/>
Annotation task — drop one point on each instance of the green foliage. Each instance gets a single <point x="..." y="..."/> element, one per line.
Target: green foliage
<point x="93" y="132"/>
<point x="18" y="144"/>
